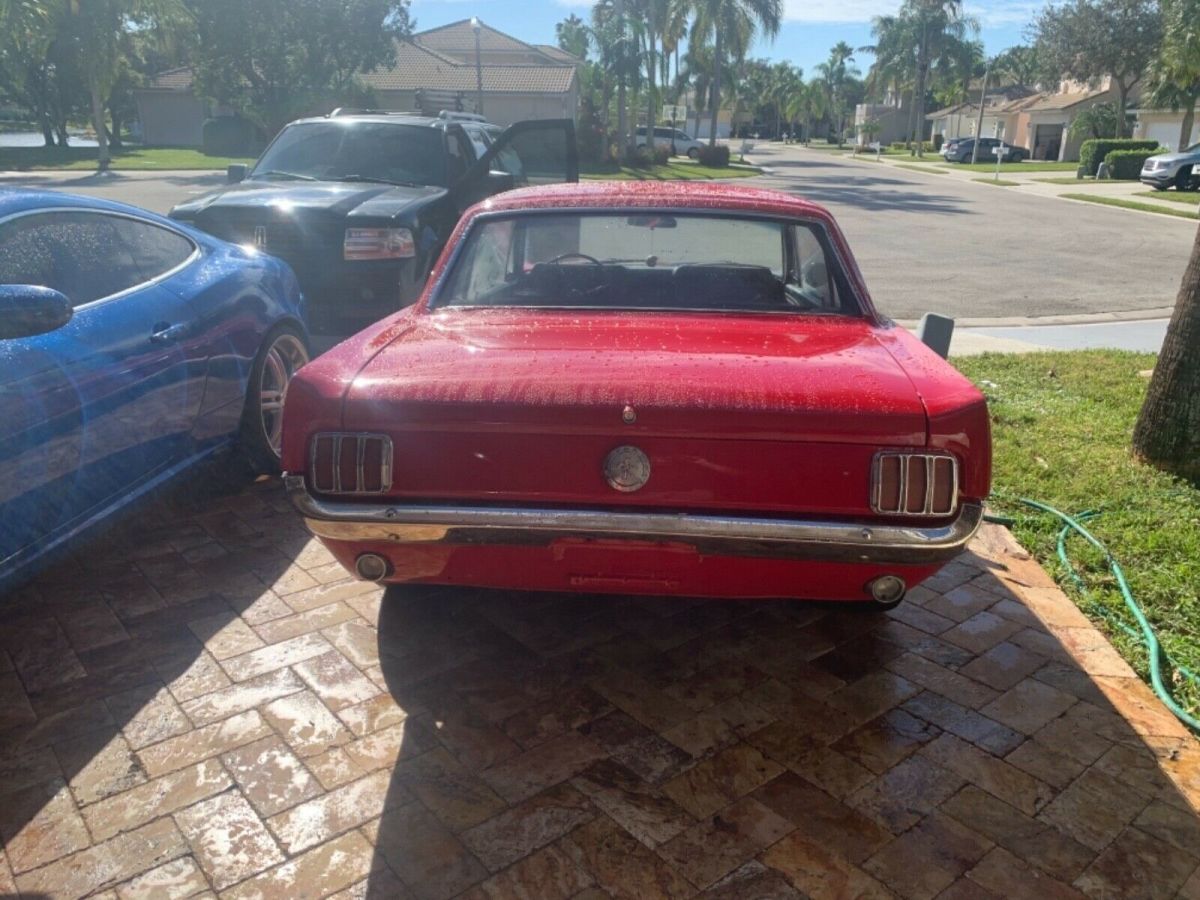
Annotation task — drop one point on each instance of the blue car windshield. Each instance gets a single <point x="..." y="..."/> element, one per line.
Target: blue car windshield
<point x="367" y="151"/>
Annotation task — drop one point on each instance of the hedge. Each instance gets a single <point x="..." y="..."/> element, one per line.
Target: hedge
<point x="1093" y="152"/>
<point x="716" y="156"/>
<point x="929" y="145"/>
<point x="1126" y="165"/>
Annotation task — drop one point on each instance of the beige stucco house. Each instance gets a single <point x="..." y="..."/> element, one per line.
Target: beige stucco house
<point x="435" y="69"/>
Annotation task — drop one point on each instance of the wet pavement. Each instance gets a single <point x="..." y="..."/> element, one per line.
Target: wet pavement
<point x="201" y="703"/>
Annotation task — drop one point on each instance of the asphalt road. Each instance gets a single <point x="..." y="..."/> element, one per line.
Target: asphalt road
<point x="925" y="242"/>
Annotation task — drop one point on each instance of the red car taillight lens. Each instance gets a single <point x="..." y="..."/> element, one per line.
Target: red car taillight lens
<point x="914" y="484"/>
<point x="348" y="463"/>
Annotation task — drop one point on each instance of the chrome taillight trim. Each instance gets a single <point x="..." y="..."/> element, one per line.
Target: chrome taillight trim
<point x="928" y="508"/>
<point x="363" y="441"/>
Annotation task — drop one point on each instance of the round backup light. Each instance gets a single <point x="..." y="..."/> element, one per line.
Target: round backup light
<point x="371" y="567"/>
<point x="887" y="589"/>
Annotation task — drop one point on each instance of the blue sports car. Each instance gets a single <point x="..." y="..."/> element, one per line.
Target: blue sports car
<point x="131" y="348"/>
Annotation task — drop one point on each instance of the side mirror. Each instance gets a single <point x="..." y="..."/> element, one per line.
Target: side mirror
<point x="27" y="310"/>
<point x="236" y="172"/>
<point x="498" y="182"/>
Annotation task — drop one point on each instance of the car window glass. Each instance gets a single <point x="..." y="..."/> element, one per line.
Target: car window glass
<point x="478" y="140"/>
<point x="812" y="276"/>
<point x="644" y="260"/>
<point x="156" y="250"/>
<point x="459" y="157"/>
<point x="336" y="149"/>
<point x="79" y="254"/>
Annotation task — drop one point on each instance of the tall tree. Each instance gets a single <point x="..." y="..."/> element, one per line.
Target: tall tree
<point x="936" y="25"/>
<point x="808" y="106"/>
<point x="1087" y="40"/>
<point x="1019" y="65"/>
<point x="835" y="72"/>
<point x="1167" y="432"/>
<point x="273" y="60"/>
<point x="1174" y="76"/>
<point x="730" y="24"/>
<point x="572" y="36"/>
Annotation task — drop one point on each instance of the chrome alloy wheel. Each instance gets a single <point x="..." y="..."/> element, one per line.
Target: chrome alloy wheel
<point x="282" y="360"/>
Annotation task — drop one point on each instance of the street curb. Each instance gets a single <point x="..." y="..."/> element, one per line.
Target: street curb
<point x="1130" y="315"/>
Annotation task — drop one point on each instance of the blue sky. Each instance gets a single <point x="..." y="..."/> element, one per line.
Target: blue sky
<point x="811" y="27"/>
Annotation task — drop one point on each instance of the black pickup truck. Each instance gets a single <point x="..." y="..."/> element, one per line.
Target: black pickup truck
<point x="361" y="204"/>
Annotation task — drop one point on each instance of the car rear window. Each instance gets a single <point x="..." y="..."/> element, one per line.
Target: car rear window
<point x="339" y="149"/>
<point x="640" y="259"/>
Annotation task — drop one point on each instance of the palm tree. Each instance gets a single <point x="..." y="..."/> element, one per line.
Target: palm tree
<point x="895" y="61"/>
<point x="1018" y="65"/>
<point x="1175" y="72"/>
<point x="618" y="52"/>
<point x="731" y="24"/>
<point x="808" y="105"/>
<point x="937" y="23"/>
<point x="834" y="72"/>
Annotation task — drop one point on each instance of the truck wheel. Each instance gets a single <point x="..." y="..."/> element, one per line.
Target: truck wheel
<point x="1182" y="177"/>
<point x="693" y="153"/>
<point x="282" y="353"/>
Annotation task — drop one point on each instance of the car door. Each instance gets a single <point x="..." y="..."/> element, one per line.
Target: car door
<point x="104" y="403"/>
<point x="536" y="151"/>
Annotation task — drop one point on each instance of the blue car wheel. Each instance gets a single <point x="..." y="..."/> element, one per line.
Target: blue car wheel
<point x="283" y="353"/>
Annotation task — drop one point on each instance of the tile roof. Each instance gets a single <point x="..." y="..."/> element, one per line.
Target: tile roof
<point x="178" y="79"/>
<point x="559" y="54"/>
<point x="1064" y="101"/>
<point x="460" y="36"/>
<point x="418" y="67"/>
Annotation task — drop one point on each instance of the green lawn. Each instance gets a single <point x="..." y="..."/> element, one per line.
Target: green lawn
<point x="675" y="170"/>
<point x="1011" y="167"/>
<point x="1061" y="425"/>
<point x="1134" y="204"/>
<point x="82" y="158"/>
<point x="1187" y="198"/>
<point x="999" y="182"/>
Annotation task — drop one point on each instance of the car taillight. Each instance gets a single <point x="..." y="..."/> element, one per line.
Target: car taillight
<point x="914" y="484"/>
<point x="378" y="243"/>
<point x="341" y="463"/>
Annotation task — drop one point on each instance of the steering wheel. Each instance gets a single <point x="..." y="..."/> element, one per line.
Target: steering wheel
<point x="583" y="256"/>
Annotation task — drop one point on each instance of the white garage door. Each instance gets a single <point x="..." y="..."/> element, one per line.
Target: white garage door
<point x="1166" y="133"/>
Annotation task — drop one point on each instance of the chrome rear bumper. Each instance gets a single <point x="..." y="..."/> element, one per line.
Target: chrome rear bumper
<point x="717" y="535"/>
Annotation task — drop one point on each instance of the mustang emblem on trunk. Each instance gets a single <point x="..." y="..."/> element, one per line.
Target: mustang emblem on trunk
<point x="260" y="237"/>
<point x="627" y="468"/>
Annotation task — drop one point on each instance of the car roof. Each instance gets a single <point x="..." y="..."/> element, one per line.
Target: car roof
<point x="387" y="119"/>
<point x="17" y="200"/>
<point x="669" y="195"/>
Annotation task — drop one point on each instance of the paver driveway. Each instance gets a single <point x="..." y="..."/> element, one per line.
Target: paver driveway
<point x="202" y="703"/>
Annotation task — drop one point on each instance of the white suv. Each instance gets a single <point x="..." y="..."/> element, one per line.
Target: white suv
<point x="1180" y="169"/>
<point x="685" y="144"/>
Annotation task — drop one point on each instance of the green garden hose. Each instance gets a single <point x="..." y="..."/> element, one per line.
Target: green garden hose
<point x="1158" y="658"/>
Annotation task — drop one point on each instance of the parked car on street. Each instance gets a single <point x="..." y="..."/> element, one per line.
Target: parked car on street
<point x="648" y="389"/>
<point x="131" y="348"/>
<point x="685" y="144"/>
<point x="1167" y="169"/>
<point x="961" y="151"/>
<point x="360" y="203"/>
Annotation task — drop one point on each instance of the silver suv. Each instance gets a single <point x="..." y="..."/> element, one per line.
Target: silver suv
<point x="1166" y="169"/>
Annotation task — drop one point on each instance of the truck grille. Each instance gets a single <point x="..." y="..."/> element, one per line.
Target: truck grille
<point x="914" y="484"/>
<point x="350" y="463"/>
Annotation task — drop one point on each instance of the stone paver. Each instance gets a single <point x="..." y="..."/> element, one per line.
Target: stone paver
<point x="230" y="717"/>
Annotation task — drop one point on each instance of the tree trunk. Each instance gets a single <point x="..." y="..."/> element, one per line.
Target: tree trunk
<point x="47" y="132"/>
<point x="1189" y="117"/>
<point x="1167" y="433"/>
<point x="716" y="85"/>
<point x="1122" y="94"/>
<point x="115" y="135"/>
<point x="101" y="133"/>
<point x="912" y="123"/>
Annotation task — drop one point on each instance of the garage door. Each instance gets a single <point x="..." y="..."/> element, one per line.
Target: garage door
<point x="1166" y="133"/>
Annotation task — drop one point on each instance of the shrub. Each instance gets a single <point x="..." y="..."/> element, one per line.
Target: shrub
<point x="1127" y="164"/>
<point x="716" y="156"/>
<point x="638" y="157"/>
<point x="227" y="136"/>
<point x="1093" y="152"/>
<point x="662" y="155"/>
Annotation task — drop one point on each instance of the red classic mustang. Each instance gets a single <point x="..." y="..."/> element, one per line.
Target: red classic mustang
<point x="649" y="389"/>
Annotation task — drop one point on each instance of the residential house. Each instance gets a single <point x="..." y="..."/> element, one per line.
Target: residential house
<point x="891" y="119"/>
<point x="1039" y="121"/>
<point x="435" y="69"/>
<point x="1164" y="126"/>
